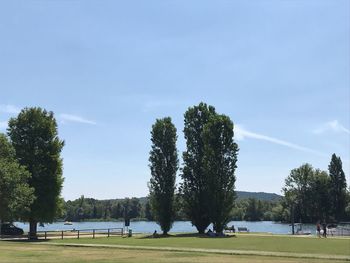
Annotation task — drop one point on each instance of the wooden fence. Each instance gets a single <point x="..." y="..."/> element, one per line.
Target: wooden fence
<point x="104" y="232"/>
<point x="72" y="233"/>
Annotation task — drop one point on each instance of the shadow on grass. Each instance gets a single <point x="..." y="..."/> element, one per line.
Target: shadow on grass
<point x="184" y="235"/>
<point x="24" y="240"/>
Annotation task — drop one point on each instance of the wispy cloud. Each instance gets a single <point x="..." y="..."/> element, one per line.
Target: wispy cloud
<point x="74" y="118"/>
<point x="11" y="109"/>
<point x="332" y="126"/>
<point x="241" y="133"/>
<point x="3" y="125"/>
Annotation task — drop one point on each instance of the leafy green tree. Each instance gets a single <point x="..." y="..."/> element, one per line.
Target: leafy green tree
<point x="320" y="195"/>
<point x="220" y="158"/>
<point x="281" y="212"/>
<point x="297" y="191"/>
<point x="35" y="139"/>
<point x="164" y="164"/>
<point x="194" y="185"/>
<point x="15" y="194"/>
<point x="337" y="187"/>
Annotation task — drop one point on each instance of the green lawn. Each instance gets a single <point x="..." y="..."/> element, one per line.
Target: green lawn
<point x="309" y="245"/>
<point x="13" y="252"/>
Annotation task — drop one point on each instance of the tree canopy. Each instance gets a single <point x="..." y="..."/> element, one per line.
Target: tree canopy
<point x="163" y="164"/>
<point x="337" y="187"/>
<point x="35" y="139"/>
<point x="194" y="185"/>
<point x="220" y="157"/>
<point x="15" y="194"/>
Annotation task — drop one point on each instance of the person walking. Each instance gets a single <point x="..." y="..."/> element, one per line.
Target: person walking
<point x="318" y="229"/>
<point x="324" y="226"/>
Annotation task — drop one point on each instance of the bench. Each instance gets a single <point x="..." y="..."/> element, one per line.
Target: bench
<point x="230" y="229"/>
<point x="242" y="229"/>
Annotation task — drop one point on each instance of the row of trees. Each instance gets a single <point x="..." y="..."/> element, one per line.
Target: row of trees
<point x="312" y="194"/>
<point x="31" y="169"/>
<point x="91" y="209"/>
<point x="207" y="188"/>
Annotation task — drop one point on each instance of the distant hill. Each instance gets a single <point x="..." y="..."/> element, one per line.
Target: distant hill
<point x="240" y="195"/>
<point x="258" y="195"/>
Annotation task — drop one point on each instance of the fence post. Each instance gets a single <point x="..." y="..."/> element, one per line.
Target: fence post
<point x="78" y="234"/>
<point x="62" y="234"/>
<point x="93" y="233"/>
<point x="108" y="232"/>
<point x="45" y="235"/>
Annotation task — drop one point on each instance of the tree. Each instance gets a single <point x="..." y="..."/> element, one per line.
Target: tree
<point x="35" y="139"/>
<point x="194" y="185"/>
<point x="163" y="164"/>
<point x="254" y="210"/>
<point x="297" y="191"/>
<point x="148" y="212"/>
<point x="337" y="187"/>
<point x="220" y="158"/>
<point x="320" y="196"/>
<point x="15" y="194"/>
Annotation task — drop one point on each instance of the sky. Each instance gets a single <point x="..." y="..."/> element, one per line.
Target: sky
<point x="108" y="69"/>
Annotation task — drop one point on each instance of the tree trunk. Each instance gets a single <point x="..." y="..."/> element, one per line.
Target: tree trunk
<point x="32" y="229"/>
<point x="292" y="218"/>
<point x="201" y="228"/>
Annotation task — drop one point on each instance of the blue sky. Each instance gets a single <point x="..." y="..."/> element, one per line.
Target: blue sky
<point x="108" y="69"/>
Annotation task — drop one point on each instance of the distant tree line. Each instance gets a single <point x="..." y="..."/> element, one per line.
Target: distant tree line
<point x="83" y="209"/>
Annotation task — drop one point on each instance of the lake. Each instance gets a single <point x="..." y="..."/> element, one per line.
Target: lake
<point x="178" y="226"/>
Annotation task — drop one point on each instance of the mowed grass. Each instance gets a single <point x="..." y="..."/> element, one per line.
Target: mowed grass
<point x="308" y="245"/>
<point x="33" y="252"/>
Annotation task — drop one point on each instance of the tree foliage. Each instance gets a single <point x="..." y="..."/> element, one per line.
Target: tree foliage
<point x="15" y="194"/>
<point x="194" y="185"/>
<point x="163" y="164"/>
<point x="337" y="187"/>
<point x="84" y="208"/>
<point x="220" y="157"/>
<point x="317" y="196"/>
<point x="297" y="190"/>
<point x="37" y="145"/>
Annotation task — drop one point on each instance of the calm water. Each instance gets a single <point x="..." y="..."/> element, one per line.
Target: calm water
<point x="179" y="226"/>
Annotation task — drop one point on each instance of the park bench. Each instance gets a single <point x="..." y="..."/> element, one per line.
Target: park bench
<point x="242" y="229"/>
<point x="230" y="229"/>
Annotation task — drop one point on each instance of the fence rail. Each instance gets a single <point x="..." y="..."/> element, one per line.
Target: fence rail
<point x="71" y="233"/>
<point x="102" y="232"/>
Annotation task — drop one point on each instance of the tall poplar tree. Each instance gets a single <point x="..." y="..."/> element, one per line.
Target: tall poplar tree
<point x="35" y="139"/>
<point x="194" y="187"/>
<point x="164" y="165"/>
<point x="220" y="158"/>
<point x="337" y="187"/>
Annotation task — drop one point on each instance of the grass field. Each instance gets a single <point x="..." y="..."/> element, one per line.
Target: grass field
<point x="142" y="249"/>
<point x="314" y="245"/>
<point x="31" y="252"/>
